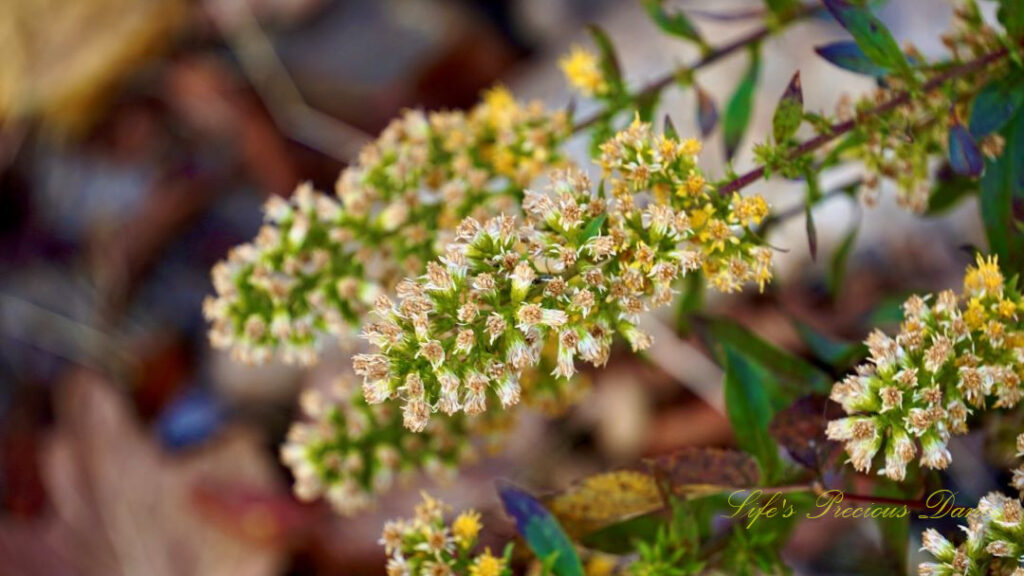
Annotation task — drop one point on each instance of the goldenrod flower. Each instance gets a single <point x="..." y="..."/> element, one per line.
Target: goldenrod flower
<point x="466" y="528"/>
<point x="582" y="70"/>
<point x="487" y="565"/>
<point x="423" y="545"/>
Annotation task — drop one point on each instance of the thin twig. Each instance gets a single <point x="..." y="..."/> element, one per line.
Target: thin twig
<point x="270" y="77"/>
<point x="708" y="58"/>
<point x="800" y="207"/>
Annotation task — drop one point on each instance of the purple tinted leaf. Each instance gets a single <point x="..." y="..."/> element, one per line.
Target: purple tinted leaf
<point x="541" y="530"/>
<point x="964" y="155"/>
<point x="849" y="56"/>
<point x="800" y="429"/>
<point x="707" y="112"/>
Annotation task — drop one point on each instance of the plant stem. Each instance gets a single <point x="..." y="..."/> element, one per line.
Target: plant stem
<point x="708" y="58"/>
<point x="799" y="208"/>
<point x="837" y="130"/>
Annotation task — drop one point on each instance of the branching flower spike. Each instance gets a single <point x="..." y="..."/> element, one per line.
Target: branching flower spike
<point x="320" y="261"/>
<point x="953" y="355"/>
<point x="581" y="267"/>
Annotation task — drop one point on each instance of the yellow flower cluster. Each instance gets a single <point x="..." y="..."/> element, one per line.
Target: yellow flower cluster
<point x="350" y="452"/>
<point x="320" y="261"/>
<point x="994" y="542"/>
<point x="953" y="355"/>
<point x="427" y="546"/>
<point x="582" y="71"/>
<point x="718" y="228"/>
<point x="580" y="268"/>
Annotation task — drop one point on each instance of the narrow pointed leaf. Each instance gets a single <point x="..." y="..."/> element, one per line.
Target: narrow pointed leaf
<point x="840" y="354"/>
<point x="541" y="531"/>
<point x="1011" y="16"/>
<point x="848" y="56"/>
<point x="1002" y="186"/>
<point x="871" y="35"/>
<point x="964" y="155"/>
<point x="610" y="67"/>
<point x="676" y="23"/>
<point x="995" y="105"/>
<point x="691" y="301"/>
<point x="707" y="112"/>
<point x="812" y="233"/>
<point x="750" y="411"/>
<point x="794" y="376"/>
<point x="837" y="268"/>
<point x="789" y="114"/>
<point x="740" y="107"/>
<point x="950" y="188"/>
<point x="782" y="7"/>
<point x="593" y="227"/>
<point x="670" y="129"/>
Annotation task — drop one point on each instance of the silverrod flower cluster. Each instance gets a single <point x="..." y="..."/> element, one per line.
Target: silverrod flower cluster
<point x="887" y="150"/>
<point x="320" y="261"/>
<point x="427" y="545"/>
<point x="953" y="356"/>
<point x="994" y="542"/>
<point x="350" y="452"/>
<point x="579" y="268"/>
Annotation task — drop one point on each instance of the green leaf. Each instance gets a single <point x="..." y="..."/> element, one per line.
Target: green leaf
<point x="840" y="354"/>
<point x="670" y="129"/>
<point x="782" y="7"/>
<point x="949" y="190"/>
<point x="1001" y="187"/>
<point x="796" y="376"/>
<point x="996" y="105"/>
<point x="1011" y="16"/>
<point x="812" y="232"/>
<point x="646" y="104"/>
<point x="789" y="114"/>
<point x="676" y="24"/>
<point x="691" y="301"/>
<point x="871" y="35"/>
<point x="837" y="268"/>
<point x="622" y="538"/>
<point x="739" y="109"/>
<point x="541" y="531"/>
<point x="610" y="67"/>
<point x="849" y="56"/>
<point x="750" y="410"/>
<point x="593" y="227"/>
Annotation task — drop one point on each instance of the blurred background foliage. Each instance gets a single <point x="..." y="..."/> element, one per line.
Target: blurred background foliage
<point x="138" y="139"/>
